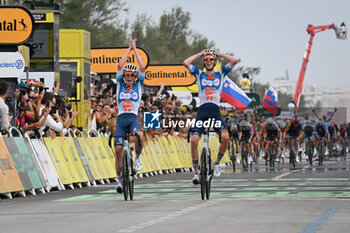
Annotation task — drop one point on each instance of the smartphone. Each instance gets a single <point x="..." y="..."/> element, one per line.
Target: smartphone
<point x="42" y="80"/>
<point x="70" y="114"/>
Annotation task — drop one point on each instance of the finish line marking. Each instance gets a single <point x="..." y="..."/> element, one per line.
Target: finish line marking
<point x="168" y="217"/>
<point x="320" y="221"/>
<point x="288" y="173"/>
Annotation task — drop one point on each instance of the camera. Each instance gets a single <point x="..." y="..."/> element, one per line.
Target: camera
<point x="23" y="92"/>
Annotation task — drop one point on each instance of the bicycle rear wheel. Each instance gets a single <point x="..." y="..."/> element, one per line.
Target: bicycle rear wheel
<point x="203" y="169"/>
<point x="320" y="159"/>
<point x="310" y="151"/>
<point x="125" y="174"/>
<point x="233" y="157"/>
<point x="131" y="181"/>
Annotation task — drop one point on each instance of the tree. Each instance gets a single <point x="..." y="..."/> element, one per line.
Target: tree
<point x="100" y="17"/>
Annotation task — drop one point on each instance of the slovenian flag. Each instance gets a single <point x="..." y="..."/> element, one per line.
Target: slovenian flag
<point x="233" y="95"/>
<point x="270" y="101"/>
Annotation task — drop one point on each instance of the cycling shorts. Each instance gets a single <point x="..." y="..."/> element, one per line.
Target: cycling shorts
<point x="125" y="121"/>
<point x="205" y="112"/>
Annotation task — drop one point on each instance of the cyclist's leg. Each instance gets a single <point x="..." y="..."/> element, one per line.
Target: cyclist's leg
<point x="223" y="145"/>
<point x="194" y="151"/>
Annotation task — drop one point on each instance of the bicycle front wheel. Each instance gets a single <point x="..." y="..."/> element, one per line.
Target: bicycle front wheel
<point x="131" y="180"/>
<point x="203" y="174"/>
<point x="208" y="183"/>
<point x="125" y="174"/>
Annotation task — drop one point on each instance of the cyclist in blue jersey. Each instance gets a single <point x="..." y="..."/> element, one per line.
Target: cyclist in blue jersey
<point x="210" y="85"/>
<point x="129" y="90"/>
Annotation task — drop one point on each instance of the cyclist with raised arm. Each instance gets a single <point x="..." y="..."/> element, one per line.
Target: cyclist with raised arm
<point x="129" y="89"/>
<point x="210" y="85"/>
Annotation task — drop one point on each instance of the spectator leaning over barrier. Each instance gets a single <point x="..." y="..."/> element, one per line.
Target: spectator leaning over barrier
<point x="4" y="109"/>
<point x="129" y="89"/>
<point x="53" y="121"/>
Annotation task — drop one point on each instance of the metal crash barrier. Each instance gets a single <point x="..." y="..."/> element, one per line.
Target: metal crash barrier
<point x="83" y="158"/>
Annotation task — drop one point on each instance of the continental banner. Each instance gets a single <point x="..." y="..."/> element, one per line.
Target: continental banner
<point x="169" y="75"/>
<point x="46" y="163"/>
<point x="9" y="178"/>
<point x="25" y="164"/>
<point x="105" y="60"/>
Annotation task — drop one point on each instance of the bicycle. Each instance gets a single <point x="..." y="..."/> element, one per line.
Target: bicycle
<point x="206" y="165"/>
<point x="128" y="167"/>
<point x="233" y="154"/>
<point x="244" y="154"/>
<point x="310" y="150"/>
<point x="292" y="153"/>
<point x="321" y="150"/>
<point x="273" y="153"/>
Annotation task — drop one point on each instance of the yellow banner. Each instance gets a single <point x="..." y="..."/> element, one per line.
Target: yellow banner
<point x="169" y="75"/>
<point x="16" y="25"/>
<point x="105" y="60"/>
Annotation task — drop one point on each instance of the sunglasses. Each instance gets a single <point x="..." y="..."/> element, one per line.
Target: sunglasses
<point x="131" y="75"/>
<point x="208" y="59"/>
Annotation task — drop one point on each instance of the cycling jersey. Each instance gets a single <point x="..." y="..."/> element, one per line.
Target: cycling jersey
<point x="271" y="130"/>
<point x="309" y="130"/>
<point x="209" y="88"/>
<point x="322" y="130"/>
<point x="247" y="131"/>
<point x="293" y="129"/>
<point x="128" y="99"/>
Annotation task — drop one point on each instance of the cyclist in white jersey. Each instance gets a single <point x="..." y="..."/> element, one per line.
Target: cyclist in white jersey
<point x="129" y="88"/>
<point x="210" y="85"/>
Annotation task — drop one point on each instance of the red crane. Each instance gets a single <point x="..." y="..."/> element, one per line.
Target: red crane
<point x="312" y="30"/>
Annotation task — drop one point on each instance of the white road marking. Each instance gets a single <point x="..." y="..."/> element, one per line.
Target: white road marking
<point x="168" y="216"/>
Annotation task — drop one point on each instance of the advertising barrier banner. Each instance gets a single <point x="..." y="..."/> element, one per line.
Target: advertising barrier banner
<point x="26" y="165"/>
<point x="9" y="178"/>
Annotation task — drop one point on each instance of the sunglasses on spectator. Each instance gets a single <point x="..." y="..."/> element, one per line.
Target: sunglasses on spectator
<point x="209" y="59"/>
<point x="131" y="75"/>
<point x="94" y="101"/>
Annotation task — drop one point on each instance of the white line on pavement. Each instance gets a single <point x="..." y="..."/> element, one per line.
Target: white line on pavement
<point x="168" y="217"/>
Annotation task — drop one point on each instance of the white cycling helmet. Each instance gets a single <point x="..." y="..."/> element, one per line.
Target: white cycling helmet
<point x="209" y="52"/>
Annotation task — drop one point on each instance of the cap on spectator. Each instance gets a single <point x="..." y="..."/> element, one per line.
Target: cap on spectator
<point x="22" y="85"/>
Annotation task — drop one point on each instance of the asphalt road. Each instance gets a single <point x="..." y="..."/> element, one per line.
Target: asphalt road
<point x="304" y="199"/>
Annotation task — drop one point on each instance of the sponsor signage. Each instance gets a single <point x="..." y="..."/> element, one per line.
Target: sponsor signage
<point x="16" y="25"/>
<point x="11" y="64"/>
<point x="184" y="96"/>
<point x="169" y="75"/>
<point x="105" y="60"/>
<point x="47" y="77"/>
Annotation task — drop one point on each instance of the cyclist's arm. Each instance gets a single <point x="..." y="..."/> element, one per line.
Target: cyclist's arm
<point x="189" y="60"/>
<point x="138" y="57"/>
<point x="123" y="59"/>
<point x="231" y="59"/>
<point x="240" y="136"/>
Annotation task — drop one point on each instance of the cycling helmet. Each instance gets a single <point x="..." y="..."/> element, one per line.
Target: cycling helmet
<point x="244" y="123"/>
<point x="295" y="120"/>
<point x="209" y="52"/>
<point x="269" y="120"/>
<point x="233" y="127"/>
<point x="130" y="68"/>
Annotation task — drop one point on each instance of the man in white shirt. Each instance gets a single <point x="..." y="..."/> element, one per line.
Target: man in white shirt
<point x="50" y="100"/>
<point x="4" y="109"/>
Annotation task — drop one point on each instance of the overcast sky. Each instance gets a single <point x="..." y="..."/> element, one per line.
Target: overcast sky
<point x="270" y="34"/>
